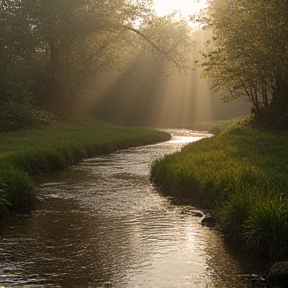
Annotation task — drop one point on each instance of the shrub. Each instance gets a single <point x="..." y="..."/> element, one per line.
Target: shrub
<point x="15" y="115"/>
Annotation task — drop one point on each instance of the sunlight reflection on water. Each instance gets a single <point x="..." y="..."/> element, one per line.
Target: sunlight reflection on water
<point x="102" y="224"/>
<point x="183" y="140"/>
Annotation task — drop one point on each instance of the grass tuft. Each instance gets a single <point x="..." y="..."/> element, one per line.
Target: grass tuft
<point x="17" y="190"/>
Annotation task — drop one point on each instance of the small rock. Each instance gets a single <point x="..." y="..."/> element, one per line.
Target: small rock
<point x="278" y="276"/>
<point x="208" y="221"/>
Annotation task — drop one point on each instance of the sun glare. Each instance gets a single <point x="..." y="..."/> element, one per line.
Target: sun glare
<point x="185" y="7"/>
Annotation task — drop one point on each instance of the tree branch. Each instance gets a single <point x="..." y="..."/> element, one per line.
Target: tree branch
<point x="163" y="52"/>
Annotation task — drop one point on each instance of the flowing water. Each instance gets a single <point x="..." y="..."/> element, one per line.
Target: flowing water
<point x="102" y="224"/>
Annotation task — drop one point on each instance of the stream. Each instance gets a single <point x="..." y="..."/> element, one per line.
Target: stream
<point x="101" y="223"/>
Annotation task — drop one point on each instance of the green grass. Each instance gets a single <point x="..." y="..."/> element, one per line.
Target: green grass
<point x="29" y="152"/>
<point x="213" y="127"/>
<point x="241" y="175"/>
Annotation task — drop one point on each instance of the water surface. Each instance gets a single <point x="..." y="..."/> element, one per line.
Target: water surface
<point x="102" y="224"/>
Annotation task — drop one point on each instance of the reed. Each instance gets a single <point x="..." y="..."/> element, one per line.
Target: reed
<point x="240" y="174"/>
<point x="29" y="152"/>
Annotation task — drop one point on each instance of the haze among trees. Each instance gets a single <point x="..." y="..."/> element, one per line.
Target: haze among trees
<point x="51" y="51"/>
<point x="53" y="54"/>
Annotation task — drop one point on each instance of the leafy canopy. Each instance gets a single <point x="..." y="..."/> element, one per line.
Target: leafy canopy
<point x="247" y="54"/>
<point x="51" y="50"/>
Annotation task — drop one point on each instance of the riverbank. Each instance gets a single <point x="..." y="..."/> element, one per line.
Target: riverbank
<point x="25" y="153"/>
<point x="214" y="127"/>
<point x="241" y="175"/>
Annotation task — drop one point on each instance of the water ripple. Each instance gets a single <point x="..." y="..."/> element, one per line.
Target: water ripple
<point x="102" y="224"/>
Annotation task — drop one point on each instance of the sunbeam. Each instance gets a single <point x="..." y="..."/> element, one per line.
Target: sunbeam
<point x="146" y="99"/>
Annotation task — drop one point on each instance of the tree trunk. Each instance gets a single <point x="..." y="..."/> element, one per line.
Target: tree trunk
<point x="278" y="108"/>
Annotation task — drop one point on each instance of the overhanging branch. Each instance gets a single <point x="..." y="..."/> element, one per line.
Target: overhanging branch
<point x="163" y="52"/>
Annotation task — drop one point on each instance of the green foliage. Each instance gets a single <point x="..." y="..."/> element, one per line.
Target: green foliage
<point x="236" y="209"/>
<point x="267" y="226"/>
<point x="247" y="55"/>
<point x="37" y="161"/>
<point x="18" y="115"/>
<point x="242" y="178"/>
<point x="53" y="50"/>
<point x="17" y="189"/>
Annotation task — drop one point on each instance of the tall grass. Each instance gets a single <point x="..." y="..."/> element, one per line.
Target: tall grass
<point x="4" y="203"/>
<point x="240" y="174"/>
<point x="267" y="226"/>
<point x="17" y="189"/>
<point x="28" y="152"/>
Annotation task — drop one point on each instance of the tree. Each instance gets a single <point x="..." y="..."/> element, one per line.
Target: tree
<point x="160" y="48"/>
<point x="16" y="51"/>
<point x="80" y="40"/>
<point x="57" y="47"/>
<point x="247" y="55"/>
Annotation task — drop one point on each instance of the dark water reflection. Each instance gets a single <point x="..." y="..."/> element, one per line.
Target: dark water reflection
<point x="101" y="224"/>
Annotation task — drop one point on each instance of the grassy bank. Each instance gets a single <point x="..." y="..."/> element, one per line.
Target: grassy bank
<point x="28" y="152"/>
<point x="242" y="176"/>
<point x="213" y="127"/>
